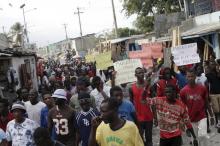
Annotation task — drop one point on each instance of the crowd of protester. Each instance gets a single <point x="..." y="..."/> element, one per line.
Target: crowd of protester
<point x="78" y="105"/>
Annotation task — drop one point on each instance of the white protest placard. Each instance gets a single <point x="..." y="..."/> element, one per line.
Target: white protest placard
<point x="185" y="54"/>
<point x="126" y="70"/>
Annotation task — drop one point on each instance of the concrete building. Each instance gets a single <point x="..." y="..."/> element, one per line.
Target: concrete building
<point x="203" y="29"/>
<point x="24" y="65"/>
<point x="80" y="45"/>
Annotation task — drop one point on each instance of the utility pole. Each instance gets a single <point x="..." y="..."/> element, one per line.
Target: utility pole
<point x="181" y="6"/>
<point x="65" y="30"/>
<point x="80" y="25"/>
<point x="186" y="7"/>
<point x="25" y="24"/>
<point x="3" y="29"/>
<point x="115" y="19"/>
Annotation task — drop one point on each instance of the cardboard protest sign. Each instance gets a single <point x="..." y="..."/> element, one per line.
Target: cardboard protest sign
<point x="185" y="54"/>
<point x="103" y="60"/>
<point x="149" y="51"/>
<point x="126" y="70"/>
<point x="153" y="50"/>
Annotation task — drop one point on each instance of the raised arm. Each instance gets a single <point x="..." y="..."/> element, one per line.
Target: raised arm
<point x="92" y="137"/>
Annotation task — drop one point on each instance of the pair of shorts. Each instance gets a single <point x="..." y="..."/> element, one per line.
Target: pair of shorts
<point x="200" y="129"/>
<point x="175" y="141"/>
<point x="215" y="100"/>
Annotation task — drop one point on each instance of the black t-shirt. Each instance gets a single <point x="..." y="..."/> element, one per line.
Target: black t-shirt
<point x="214" y="81"/>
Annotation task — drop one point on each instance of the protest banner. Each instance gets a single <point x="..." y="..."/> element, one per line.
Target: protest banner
<point x="126" y="70"/>
<point x="185" y="54"/>
<point x="153" y="50"/>
<point x="149" y="51"/>
<point x="103" y="60"/>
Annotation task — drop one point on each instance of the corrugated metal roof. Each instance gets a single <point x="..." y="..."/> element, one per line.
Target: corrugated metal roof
<point x="118" y="40"/>
<point x="13" y="52"/>
<point x="201" y="30"/>
<point x="164" y="39"/>
<point x="5" y="54"/>
<point x="126" y="38"/>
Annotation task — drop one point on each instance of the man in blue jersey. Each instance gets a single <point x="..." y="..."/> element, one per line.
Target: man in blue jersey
<point x="84" y="118"/>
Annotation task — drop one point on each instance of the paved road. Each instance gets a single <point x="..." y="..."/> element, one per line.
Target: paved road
<point x="214" y="139"/>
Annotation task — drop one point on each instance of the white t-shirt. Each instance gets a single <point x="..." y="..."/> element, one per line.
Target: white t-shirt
<point x="201" y="79"/>
<point x="21" y="134"/>
<point x="34" y="111"/>
<point x="98" y="96"/>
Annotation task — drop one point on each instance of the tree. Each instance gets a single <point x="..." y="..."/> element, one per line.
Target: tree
<point x="126" y="32"/>
<point x="145" y="23"/>
<point x="146" y="7"/>
<point x="145" y="10"/>
<point x="122" y="32"/>
<point x="15" y="35"/>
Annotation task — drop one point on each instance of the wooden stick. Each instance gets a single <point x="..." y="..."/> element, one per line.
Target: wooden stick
<point x="204" y="53"/>
<point x="207" y="52"/>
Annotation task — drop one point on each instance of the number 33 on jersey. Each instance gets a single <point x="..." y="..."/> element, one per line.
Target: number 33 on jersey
<point x="61" y="126"/>
<point x="63" y="122"/>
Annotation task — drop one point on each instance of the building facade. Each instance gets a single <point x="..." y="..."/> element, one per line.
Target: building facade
<point x="78" y="44"/>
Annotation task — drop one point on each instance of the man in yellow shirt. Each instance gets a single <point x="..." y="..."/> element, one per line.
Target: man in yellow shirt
<point x="110" y="130"/>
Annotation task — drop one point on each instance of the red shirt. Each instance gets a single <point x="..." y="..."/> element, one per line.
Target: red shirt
<point x="161" y="85"/>
<point x="170" y="116"/>
<point x="195" y="99"/>
<point x="3" y="125"/>
<point x="143" y="112"/>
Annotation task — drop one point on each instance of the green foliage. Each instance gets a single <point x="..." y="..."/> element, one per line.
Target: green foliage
<point x="122" y="32"/>
<point x="145" y="9"/>
<point x="17" y="27"/>
<point x="126" y="32"/>
<point x="144" y="23"/>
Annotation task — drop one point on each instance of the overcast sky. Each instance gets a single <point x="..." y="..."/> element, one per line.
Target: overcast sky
<point x="45" y="25"/>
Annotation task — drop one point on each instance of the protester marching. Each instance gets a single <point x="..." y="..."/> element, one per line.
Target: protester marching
<point x="74" y="107"/>
<point x="155" y="85"/>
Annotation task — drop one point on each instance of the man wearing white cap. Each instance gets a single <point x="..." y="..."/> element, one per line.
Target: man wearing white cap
<point x="62" y="118"/>
<point x="19" y="132"/>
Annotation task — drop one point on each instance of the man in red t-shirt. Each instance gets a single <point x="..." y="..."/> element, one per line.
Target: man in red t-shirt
<point x="195" y="96"/>
<point x="171" y="113"/>
<point x="143" y="112"/>
<point x="167" y="79"/>
<point x="5" y="115"/>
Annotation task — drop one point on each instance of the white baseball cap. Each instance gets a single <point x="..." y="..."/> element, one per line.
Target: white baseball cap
<point x="60" y="93"/>
<point x="18" y="105"/>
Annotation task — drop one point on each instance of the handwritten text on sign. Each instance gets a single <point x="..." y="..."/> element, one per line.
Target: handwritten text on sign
<point x="126" y="70"/>
<point x="185" y="54"/>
